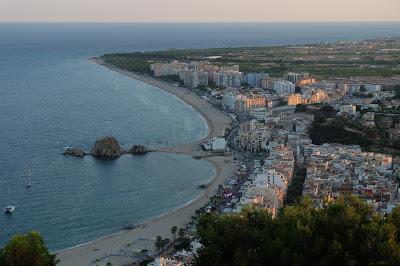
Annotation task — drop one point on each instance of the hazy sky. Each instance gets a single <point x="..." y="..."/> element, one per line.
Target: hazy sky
<point x="199" y="10"/>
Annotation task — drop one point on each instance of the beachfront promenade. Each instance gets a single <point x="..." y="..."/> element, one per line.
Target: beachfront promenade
<point x="112" y="245"/>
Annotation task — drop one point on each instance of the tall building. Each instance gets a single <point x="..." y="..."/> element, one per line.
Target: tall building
<point x="194" y="81"/>
<point x="266" y="83"/>
<point x="243" y="103"/>
<point x="319" y="96"/>
<point x="305" y="81"/>
<point x="295" y="77"/>
<point x="190" y="78"/>
<point x="255" y="79"/>
<point x="203" y="78"/>
<point x="246" y="103"/>
<point x="162" y="69"/>
<point x="227" y="79"/>
<point x="295" y="99"/>
<point x="282" y="86"/>
<point x="310" y="96"/>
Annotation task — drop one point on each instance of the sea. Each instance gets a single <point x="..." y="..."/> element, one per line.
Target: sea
<point x="52" y="97"/>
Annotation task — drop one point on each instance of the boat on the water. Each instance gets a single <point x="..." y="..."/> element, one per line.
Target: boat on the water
<point x="29" y="183"/>
<point x="9" y="209"/>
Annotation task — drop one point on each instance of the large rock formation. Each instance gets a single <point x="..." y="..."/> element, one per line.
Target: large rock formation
<point x="107" y="147"/>
<point x="76" y="152"/>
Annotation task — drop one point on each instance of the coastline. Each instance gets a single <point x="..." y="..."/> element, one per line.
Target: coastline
<point x="86" y="253"/>
<point x="216" y="121"/>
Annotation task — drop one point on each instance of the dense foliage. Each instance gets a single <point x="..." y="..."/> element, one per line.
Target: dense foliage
<point x="276" y="60"/>
<point x="349" y="131"/>
<point x="295" y="187"/>
<point x="24" y="250"/>
<point x="347" y="232"/>
<point x="133" y="62"/>
<point x="318" y="110"/>
<point x="397" y="91"/>
<point x="334" y="131"/>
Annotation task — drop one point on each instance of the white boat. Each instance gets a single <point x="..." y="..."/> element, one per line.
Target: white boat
<point x="29" y="183"/>
<point x="10" y="208"/>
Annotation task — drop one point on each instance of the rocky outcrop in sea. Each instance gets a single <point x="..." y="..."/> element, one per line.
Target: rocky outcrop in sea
<point x="106" y="148"/>
<point x="75" y="152"/>
<point x="138" y="149"/>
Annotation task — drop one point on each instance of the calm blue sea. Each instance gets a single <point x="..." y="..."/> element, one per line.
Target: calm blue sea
<point x="51" y="97"/>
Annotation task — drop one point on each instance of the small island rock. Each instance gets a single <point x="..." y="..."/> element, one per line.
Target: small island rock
<point x="75" y="152"/>
<point x="138" y="149"/>
<point x="107" y="147"/>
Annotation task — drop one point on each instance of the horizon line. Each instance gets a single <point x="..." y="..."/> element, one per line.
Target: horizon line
<point x="197" y="21"/>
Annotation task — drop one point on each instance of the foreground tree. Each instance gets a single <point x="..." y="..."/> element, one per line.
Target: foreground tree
<point x="347" y="232"/>
<point x="29" y="249"/>
<point x="173" y="232"/>
<point x="181" y="233"/>
<point x="158" y="242"/>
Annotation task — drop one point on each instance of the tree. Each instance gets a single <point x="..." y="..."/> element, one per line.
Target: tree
<point x="158" y="242"/>
<point x="334" y="131"/>
<point x="27" y="249"/>
<point x="173" y="232"/>
<point x="346" y="232"/>
<point x="328" y="111"/>
<point x="2" y="258"/>
<point x="300" y="108"/>
<point x="396" y="90"/>
<point x="181" y="233"/>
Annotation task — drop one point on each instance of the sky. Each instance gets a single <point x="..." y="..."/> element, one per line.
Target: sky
<point x="200" y="10"/>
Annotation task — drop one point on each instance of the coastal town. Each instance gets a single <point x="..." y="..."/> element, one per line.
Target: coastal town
<point x="272" y="117"/>
<point x="200" y="133"/>
<point x="290" y="137"/>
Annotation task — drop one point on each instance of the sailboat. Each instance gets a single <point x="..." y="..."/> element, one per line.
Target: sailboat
<point x="29" y="183"/>
<point x="10" y="208"/>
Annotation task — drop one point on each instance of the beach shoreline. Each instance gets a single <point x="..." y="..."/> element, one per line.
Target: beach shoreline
<point x="217" y="122"/>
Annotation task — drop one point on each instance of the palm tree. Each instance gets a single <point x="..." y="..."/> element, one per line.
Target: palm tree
<point x="181" y="233"/>
<point x="157" y="244"/>
<point x="173" y="231"/>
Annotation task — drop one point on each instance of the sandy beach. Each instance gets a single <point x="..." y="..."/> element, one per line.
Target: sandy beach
<point x="217" y="122"/>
